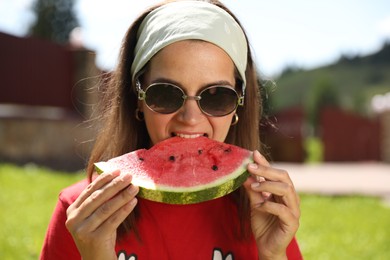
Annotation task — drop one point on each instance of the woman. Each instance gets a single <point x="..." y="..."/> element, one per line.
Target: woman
<point x="195" y="49"/>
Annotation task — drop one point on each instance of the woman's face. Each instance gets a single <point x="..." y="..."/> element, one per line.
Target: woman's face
<point x="191" y="65"/>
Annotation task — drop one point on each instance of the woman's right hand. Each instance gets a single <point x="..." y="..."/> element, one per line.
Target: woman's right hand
<point x="95" y="215"/>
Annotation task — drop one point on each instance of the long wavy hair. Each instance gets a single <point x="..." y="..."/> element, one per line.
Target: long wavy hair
<point x="120" y="132"/>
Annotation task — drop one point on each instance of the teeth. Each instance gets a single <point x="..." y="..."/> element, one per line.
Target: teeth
<point x="189" y="136"/>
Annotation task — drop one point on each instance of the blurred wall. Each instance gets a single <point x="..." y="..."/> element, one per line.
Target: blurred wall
<point x="345" y="136"/>
<point x="35" y="72"/>
<point x="350" y="137"/>
<point x="385" y="135"/>
<point x="46" y="95"/>
<point x="284" y="136"/>
<point x="55" y="143"/>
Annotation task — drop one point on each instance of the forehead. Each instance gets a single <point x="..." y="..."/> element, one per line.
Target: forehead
<point x="191" y="62"/>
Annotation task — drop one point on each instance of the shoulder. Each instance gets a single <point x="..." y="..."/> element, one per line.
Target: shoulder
<point x="58" y="243"/>
<point x="69" y="194"/>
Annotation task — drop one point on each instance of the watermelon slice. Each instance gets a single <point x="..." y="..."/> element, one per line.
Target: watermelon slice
<point x="184" y="170"/>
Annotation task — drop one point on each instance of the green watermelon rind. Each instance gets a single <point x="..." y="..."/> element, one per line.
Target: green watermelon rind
<point x="188" y="195"/>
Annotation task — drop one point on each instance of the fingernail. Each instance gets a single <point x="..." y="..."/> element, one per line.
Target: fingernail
<point x="258" y="154"/>
<point x="133" y="202"/>
<point x="114" y="173"/>
<point x="126" y="177"/>
<point x="255" y="184"/>
<point x="253" y="166"/>
<point x="132" y="189"/>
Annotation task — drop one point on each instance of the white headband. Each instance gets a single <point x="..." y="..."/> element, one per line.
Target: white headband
<point x="185" y="20"/>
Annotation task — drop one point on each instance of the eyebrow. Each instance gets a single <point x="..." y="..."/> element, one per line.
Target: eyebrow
<point x="174" y="82"/>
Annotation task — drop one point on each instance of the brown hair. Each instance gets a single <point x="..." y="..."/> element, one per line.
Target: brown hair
<point x="120" y="132"/>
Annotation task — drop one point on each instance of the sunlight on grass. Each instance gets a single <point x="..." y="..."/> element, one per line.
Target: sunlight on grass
<point x="27" y="198"/>
<point x="344" y="228"/>
<point x="331" y="227"/>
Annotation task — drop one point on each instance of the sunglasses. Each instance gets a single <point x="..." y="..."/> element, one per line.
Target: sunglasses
<point x="167" y="98"/>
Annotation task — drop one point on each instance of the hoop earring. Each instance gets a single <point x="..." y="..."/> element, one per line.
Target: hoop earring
<point x="139" y="115"/>
<point x="235" y="120"/>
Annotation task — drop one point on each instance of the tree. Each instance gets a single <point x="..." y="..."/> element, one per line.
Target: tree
<point x="55" y="19"/>
<point x="323" y="94"/>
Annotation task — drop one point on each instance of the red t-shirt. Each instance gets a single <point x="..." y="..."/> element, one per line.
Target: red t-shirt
<point x="205" y="230"/>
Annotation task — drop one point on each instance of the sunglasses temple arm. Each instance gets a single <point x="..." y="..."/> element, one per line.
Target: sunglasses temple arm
<point x="241" y="100"/>
<point x="141" y="93"/>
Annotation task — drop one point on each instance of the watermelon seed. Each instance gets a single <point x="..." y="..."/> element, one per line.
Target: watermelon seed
<point x="215" y="167"/>
<point x="172" y="158"/>
<point x="200" y="151"/>
<point x="141" y="159"/>
<point x="228" y="150"/>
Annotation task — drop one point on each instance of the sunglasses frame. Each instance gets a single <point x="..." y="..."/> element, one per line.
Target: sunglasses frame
<point x="197" y="98"/>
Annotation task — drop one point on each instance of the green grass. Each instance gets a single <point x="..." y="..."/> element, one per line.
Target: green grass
<point x="331" y="227"/>
<point x="344" y="228"/>
<point x="27" y="198"/>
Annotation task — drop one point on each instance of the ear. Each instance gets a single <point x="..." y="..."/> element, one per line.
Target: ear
<point x="140" y="106"/>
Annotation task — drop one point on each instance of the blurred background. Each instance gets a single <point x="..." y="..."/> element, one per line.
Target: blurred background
<point x="324" y="70"/>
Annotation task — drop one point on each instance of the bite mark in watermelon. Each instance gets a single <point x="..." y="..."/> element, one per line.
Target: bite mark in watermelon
<point x="184" y="171"/>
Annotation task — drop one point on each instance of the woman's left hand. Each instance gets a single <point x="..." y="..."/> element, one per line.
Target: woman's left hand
<point x="274" y="206"/>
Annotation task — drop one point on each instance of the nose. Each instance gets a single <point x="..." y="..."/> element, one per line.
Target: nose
<point x="190" y="112"/>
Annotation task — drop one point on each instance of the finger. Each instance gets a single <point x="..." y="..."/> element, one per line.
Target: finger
<point x="259" y="164"/>
<point x="260" y="159"/>
<point x="279" y="183"/>
<point x="255" y="198"/>
<point x="289" y="218"/>
<point x="261" y="167"/>
<point x="100" y="196"/>
<point x="84" y="231"/>
<point x="285" y="193"/>
<point x="97" y="184"/>
<point x="110" y="207"/>
<point x="77" y="218"/>
<point x="113" y="222"/>
<point x="261" y="170"/>
<point x="269" y="173"/>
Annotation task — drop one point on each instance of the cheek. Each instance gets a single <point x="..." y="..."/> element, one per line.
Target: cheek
<point x="221" y="127"/>
<point x="156" y="125"/>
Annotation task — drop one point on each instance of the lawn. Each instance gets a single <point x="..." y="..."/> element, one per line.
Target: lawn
<point x="331" y="227"/>
<point x="344" y="228"/>
<point x="27" y="198"/>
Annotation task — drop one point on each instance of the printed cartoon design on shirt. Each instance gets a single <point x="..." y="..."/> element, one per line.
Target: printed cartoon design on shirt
<point x="122" y="256"/>
<point x="217" y="255"/>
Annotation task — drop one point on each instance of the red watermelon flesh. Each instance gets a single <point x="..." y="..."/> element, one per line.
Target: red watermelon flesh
<point x="184" y="170"/>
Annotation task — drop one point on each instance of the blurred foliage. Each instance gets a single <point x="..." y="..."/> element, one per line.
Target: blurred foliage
<point x="266" y="88"/>
<point x="314" y="149"/>
<point x="55" y="19"/>
<point x="323" y="93"/>
<point x="352" y="81"/>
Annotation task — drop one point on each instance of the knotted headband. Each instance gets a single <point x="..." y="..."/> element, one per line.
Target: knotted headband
<point x="184" y="20"/>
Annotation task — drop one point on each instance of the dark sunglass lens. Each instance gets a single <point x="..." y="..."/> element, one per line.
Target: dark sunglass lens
<point x="164" y="98"/>
<point x="218" y="101"/>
